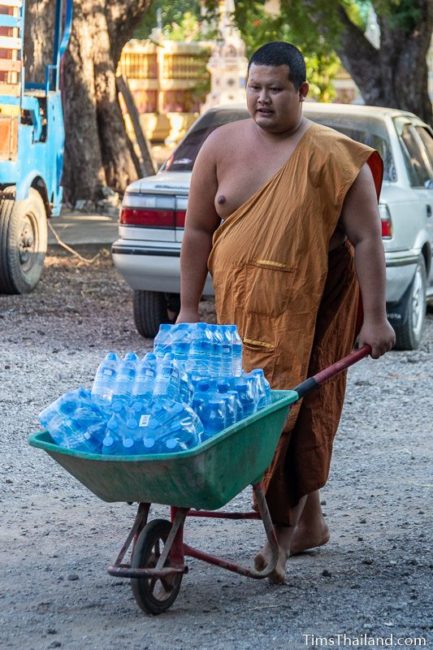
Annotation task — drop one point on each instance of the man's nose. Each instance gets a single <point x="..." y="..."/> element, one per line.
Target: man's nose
<point x="264" y="96"/>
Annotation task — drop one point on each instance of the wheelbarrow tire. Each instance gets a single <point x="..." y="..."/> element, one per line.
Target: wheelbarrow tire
<point x="153" y="595"/>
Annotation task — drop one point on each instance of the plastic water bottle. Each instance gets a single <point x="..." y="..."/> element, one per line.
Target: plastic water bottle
<point x="111" y="444"/>
<point x="74" y="422"/>
<point x="199" y="351"/>
<point x="216" y="344"/>
<point x="239" y="409"/>
<point x="167" y="380"/>
<point x="263" y="388"/>
<point x="64" y="405"/>
<point x="127" y="370"/>
<point x="246" y="397"/>
<point x="144" y="378"/>
<point x="226" y="352"/>
<point x="230" y="409"/>
<point x="230" y="402"/>
<point x="92" y="422"/>
<point x="181" y="333"/>
<point x="180" y="353"/>
<point x="162" y="341"/>
<point x="213" y="418"/>
<point x="185" y="432"/>
<point x="105" y="378"/>
<point x="198" y="406"/>
<point x="236" y="351"/>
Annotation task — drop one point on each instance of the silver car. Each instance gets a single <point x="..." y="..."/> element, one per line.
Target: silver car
<point x="153" y="215"/>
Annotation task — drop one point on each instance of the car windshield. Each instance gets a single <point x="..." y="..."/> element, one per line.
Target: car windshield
<point x="366" y="130"/>
<point x="371" y="132"/>
<point x="182" y="159"/>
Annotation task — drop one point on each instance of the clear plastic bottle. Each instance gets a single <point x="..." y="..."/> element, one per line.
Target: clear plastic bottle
<point x="144" y="379"/>
<point x="236" y="351"/>
<point x="167" y="380"/>
<point x="230" y="409"/>
<point x="226" y="351"/>
<point x="199" y="351"/>
<point x="181" y="333"/>
<point x="216" y="340"/>
<point x="213" y="418"/>
<point x="246" y="398"/>
<point x="125" y="380"/>
<point x="111" y="444"/>
<point x="70" y="435"/>
<point x="162" y="341"/>
<point x="105" y="378"/>
<point x="263" y="388"/>
<point x="182" y="433"/>
<point x="239" y="409"/>
<point x="74" y="421"/>
<point x="180" y="353"/>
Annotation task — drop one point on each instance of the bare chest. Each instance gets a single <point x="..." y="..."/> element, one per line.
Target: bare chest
<point x="242" y="172"/>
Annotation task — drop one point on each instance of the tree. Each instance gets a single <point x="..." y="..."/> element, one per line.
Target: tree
<point x="98" y="152"/>
<point x="395" y="74"/>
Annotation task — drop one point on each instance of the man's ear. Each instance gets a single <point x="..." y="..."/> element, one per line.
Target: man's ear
<point x="303" y="90"/>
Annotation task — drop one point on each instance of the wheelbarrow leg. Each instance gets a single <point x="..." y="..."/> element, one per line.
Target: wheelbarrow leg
<point x="236" y="568"/>
<point x="265" y="515"/>
<point x="118" y="569"/>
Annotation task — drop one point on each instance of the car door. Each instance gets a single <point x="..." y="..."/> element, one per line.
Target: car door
<point x="425" y="135"/>
<point x="416" y="142"/>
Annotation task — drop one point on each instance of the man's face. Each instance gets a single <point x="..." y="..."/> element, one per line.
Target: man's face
<point x="272" y="100"/>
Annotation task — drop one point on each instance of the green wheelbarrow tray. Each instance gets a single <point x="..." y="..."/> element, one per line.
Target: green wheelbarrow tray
<point x="206" y="477"/>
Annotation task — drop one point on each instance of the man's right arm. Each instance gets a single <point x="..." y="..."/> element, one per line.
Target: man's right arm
<point x="201" y="222"/>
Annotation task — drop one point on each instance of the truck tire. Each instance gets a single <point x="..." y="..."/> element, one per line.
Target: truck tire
<point x="151" y="308"/>
<point x="408" y="335"/>
<point x="23" y="242"/>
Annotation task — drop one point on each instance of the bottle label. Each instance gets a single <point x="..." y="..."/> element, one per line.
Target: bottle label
<point x="144" y="420"/>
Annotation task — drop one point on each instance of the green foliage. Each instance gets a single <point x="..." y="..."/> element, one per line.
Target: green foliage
<point x="177" y="17"/>
<point x="258" y="27"/>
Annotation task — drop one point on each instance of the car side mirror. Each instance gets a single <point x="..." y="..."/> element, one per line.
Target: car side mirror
<point x="429" y="184"/>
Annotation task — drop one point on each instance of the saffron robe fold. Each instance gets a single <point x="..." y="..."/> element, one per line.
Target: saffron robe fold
<point x="294" y="304"/>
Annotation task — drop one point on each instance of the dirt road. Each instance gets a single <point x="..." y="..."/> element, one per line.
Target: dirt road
<point x="370" y="586"/>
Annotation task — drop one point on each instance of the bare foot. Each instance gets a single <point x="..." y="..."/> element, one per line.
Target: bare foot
<point x="305" y="537"/>
<point x="263" y="558"/>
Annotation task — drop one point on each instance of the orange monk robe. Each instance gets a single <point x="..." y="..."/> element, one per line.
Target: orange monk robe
<point x="295" y="305"/>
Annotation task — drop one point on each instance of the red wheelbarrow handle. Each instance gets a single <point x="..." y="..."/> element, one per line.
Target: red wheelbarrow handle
<point x="332" y="371"/>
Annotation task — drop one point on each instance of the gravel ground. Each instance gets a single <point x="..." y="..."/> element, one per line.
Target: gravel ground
<point x="369" y="587"/>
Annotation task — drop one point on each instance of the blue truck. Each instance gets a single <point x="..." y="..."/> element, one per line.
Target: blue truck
<point x="31" y="148"/>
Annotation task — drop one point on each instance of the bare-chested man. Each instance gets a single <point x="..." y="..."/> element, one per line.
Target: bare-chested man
<point x="274" y="202"/>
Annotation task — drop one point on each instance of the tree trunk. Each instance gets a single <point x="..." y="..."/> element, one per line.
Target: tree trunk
<point x="396" y="74"/>
<point x="98" y="152"/>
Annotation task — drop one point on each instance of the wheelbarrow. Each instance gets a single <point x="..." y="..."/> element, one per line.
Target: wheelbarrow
<point x="194" y="483"/>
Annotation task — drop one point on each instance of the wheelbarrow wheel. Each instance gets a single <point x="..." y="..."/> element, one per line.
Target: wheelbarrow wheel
<point x="153" y="595"/>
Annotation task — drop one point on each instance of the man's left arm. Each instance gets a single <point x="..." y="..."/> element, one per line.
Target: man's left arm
<point x="361" y="222"/>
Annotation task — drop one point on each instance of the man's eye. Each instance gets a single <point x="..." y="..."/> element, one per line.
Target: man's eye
<point x="275" y="89"/>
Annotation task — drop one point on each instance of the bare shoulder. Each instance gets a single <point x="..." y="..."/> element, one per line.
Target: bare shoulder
<point x="364" y="182"/>
<point x="226" y="136"/>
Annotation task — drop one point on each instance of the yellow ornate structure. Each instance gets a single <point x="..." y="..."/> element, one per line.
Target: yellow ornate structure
<point x="169" y="82"/>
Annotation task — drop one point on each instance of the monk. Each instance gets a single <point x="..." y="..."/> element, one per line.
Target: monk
<point x="283" y="212"/>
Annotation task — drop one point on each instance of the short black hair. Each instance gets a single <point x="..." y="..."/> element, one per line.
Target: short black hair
<point x="281" y="53"/>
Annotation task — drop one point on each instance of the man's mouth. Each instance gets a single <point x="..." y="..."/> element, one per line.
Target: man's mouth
<point x="264" y="111"/>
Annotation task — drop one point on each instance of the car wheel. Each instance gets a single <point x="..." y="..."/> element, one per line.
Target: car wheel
<point x="23" y="242"/>
<point x="408" y="335"/>
<point x="151" y="308"/>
